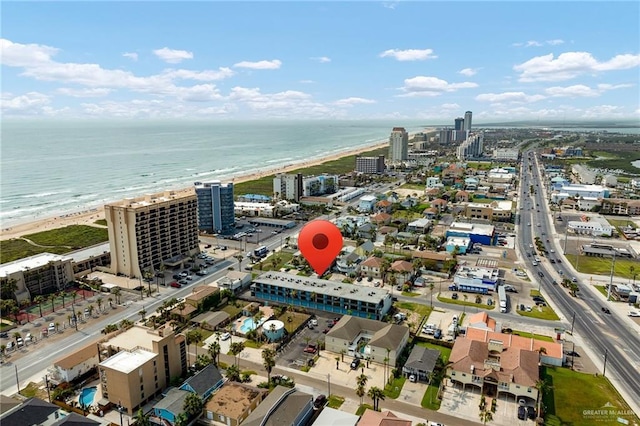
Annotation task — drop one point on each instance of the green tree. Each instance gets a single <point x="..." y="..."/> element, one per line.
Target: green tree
<point x="376" y="394"/>
<point x="99" y="303"/>
<point x="239" y="258"/>
<point x="52" y="298"/>
<point x="195" y="337"/>
<point x="39" y="300"/>
<point x="8" y="287"/>
<point x="236" y="348"/>
<point x="233" y="373"/>
<point x="182" y="419"/>
<point x="214" y="352"/>
<point x="141" y="419"/>
<point x="268" y="361"/>
<point x="116" y="293"/>
<point x="193" y="405"/>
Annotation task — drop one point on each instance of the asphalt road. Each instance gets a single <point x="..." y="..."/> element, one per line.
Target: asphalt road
<point x="605" y="333"/>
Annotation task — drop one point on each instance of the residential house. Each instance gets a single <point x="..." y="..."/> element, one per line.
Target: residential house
<point x="481" y="320"/>
<point x="494" y="368"/>
<point x="210" y="320"/>
<point x="459" y="245"/>
<point x="371" y="267"/>
<point x="35" y="411"/>
<point x="203" y="297"/>
<point x="169" y="408"/>
<point x="333" y="417"/>
<point x="283" y="406"/>
<point x="403" y="271"/>
<point x="438" y="258"/>
<point x="432" y="193"/>
<point x="462" y="197"/>
<point x="421" y="225"/>
<point x="421" y="363"/>
<point x="204" y="382"/>
<point x="384" y="206"/>
<point x="439" y="204"/>
<point x="381" y="418"/>
<point x="75" y="364"/>
<point x="381" y="218"/>
<point x="349" y="261"/>
<point x="430" y="213"/>
<point x="233" y="403"/>
<point x="367" y="338"/>
<point x="236" y="281"/>
<point x="618" y="206"/>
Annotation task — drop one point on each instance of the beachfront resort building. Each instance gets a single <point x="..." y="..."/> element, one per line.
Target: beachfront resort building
<point x="215" y="207"/>
<point x="139" y="364"/>
<point x="472" y="147"/>
<point x="293" y="187"/>
<point x="398" y="145"/>
<point x="323" y="295"/>
<point x="370" y="165"/>
<point x="152" y="230"/>
<point x="40" y="274"/>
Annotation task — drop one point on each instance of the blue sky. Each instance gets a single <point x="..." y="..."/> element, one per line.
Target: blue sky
<point x="352" y="60"/>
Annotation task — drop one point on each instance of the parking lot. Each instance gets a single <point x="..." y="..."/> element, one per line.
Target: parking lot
<point x="293" y="354"/>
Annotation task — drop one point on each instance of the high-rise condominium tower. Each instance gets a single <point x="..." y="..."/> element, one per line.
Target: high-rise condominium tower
<point x="398" y="145"/>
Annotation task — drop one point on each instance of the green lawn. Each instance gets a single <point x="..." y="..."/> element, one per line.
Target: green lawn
<point x="422" y="310"/>
<point x="566" y="406"/>
<point x="361" y="409"/>
<point x="602" y="289"/>
<point x="413" y="186"/>
<point x="392" y="389"/>
<point x="430" y="399"/>
<point x="621" y="222"/>
<point x="467" y="303"/>
<point x="410" y="294"/>
<point x="102" y="222"/>
<point x="535" y="336"/>
<point x="335" y="401"/>
<point x="481" y="200"/>
<point x="545" y="313"/>
<point x="281" y="258"/>
<point x="602" y="266"/>
<point x="292" y="320"/>
<point x="444" y="351"/>
<point x="339" y="166"/>
<point x="232" y="310"/>
<point x="57" y="241"/>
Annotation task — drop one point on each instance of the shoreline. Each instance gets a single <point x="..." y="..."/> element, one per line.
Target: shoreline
<point x="92" y="214"/>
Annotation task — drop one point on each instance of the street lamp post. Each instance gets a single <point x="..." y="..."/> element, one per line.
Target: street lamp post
<point x="329" y="385"/>
<point x="604" y="368"/>
<point x="613" y="267"/>
<point x="573" y="320"/>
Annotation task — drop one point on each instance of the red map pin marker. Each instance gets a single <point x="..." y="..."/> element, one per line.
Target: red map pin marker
<point x="320" y="241"/>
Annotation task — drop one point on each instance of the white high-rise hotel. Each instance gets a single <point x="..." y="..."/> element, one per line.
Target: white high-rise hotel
<point x="398" y="145"/>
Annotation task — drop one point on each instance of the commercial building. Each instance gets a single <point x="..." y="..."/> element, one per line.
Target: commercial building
<point x="366" y="203"/>
<point x="324" y="295"/>
<point x="467" y="120"/>
<point x="500" y="211"/>
<point x="40" y="274"/>
<point x="139" y="363"/>
<point x="314" y="186"/>
<point x="620" y="206"/>
<point x="593" y="227"/>
<point x="477" y="232"/>
<point x="370" y="165"/>
<point x="398" y="145"/>
<point x="577" y="191"/>
<point x="74" y="365"/>
<point x="281" y="207"/>
<point x="476" y="279"/>
<point x="367" y="338"/>
<point x="215" y="206"/>
<point x="149" y="231"/>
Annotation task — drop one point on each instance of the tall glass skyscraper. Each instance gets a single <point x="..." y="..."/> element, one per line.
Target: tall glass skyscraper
<point x="215" y="206"/>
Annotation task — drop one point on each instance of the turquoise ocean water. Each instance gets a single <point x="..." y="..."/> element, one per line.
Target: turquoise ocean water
<point x="48" y="167"/>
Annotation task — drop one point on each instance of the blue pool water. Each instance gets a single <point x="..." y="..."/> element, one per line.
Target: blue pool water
<point x="249" y="324"/>
<point x="86" y="396"/>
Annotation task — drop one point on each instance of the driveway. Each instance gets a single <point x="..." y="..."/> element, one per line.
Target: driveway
<point x="412" y="393"/>
<point x="459" y="403"/>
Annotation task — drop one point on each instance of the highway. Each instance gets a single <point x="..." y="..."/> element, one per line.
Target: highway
<point x="605" y="333"/>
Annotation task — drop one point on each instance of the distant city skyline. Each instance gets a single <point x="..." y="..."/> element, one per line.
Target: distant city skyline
<point x="505" y="61"/>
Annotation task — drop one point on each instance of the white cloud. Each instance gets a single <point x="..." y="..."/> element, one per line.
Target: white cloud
<point x="207" y="75"/>
<point x="516" y="97"/>
<point x="431" y="86"/>
<point x="469" y="72"/>
<point x="172" y="56"/>
<point x="390" y="5"/>
<point x="321" y="59"/>
<point x="25" y="55"/>
<point x="131" y="55"/>
<point x="534" y="43"/>
<point x="83" y="93"/>
<point x="569" y="65"/>
<point x="307" y="81"/>
<point x="260" y="65"/>
<point x="27" y="104"/>
<point x="409" y="54"/>
<point x="348" y="102"/>
<point x="582" y="91"/>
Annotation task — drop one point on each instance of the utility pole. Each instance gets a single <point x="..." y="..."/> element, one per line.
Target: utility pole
<point x="566" y="234"/>
<point x="329" y="385"/>
<point x="17" y="380"/>
<point x="604" y="368"/>
<point x="613" y="267"/>
<point x="573" y="320"/>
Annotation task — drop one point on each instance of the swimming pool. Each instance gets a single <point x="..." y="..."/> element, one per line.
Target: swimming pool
<point x="249" y="324"/>
<point x="86" y="396"/>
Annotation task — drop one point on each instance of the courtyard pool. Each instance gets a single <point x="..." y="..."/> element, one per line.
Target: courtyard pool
<point x="249" y="324"/>
<point x="86" y="396"/>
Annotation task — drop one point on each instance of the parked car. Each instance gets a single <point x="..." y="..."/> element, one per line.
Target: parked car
<point x="225" y="336"/>
<point x="52" y="328"/>
<point x="437" y="334"/>
<point x="183" y="282"/>
<point x="311" y="349"/>
<point x="572" y="353"/>
<point x="454" y="296"/>
<point x="413" y="378"/>
<point x="531" y="412"/>
<point x="522" y="413"/>
<point x="175" y="284"/>
<point x="355" y="364"/>
<point x="320" y="401"/>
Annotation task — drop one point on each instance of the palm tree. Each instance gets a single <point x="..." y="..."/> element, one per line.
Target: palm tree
<point x="39" y="299"/>
<point x="361" y="381"/>
<point x="542" y="387"/>
<point x="269" y="361"/>
<point x="141" y="419"/>
<point x="193" y="405"/>
<point x="182" y="419"/>
<point x="214" y="352"/>
<point x="142" y="314"/>
<point x="8" y="288"/>
<point x="52" y="298"/>
<point x="236" y="348"/>
<point x="16" y="336"/>
<point x="233" y="373"/>
<point x="125" y="323"/>
<point x="99" y="303"/>
<point x="376" y="394"/>
<point x="116" y="293"/>
<point x="360" y="391"/>
<point x="239" y="258"/>
<point x="195" y="337"/>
